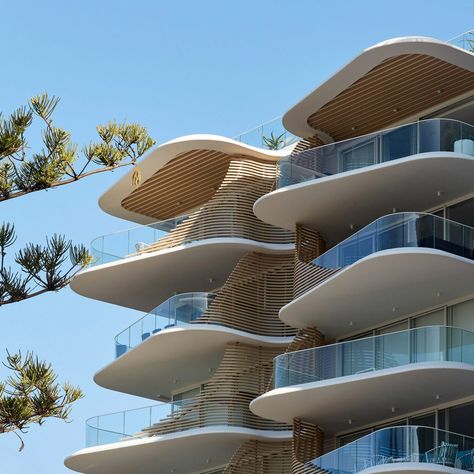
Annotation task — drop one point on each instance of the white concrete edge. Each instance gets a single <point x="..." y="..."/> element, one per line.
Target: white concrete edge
<point x="295" y="119"/>
<point x="219" y="430"/>
<point x="111" y="200"/>
<point x="283" y="392"/>
<point x="238" y="242"/>
<point x="146" y="345"/>
<point x="285" y="311"/>
<point x="345" y="379"/>
<point x="257" y="207"/>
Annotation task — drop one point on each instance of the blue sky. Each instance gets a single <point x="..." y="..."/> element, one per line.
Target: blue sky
<point x="177" y="67"/>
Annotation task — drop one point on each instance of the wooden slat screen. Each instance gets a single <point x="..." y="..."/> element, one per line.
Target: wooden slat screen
<point x="242" y="375"/>
<point x="261" y="457"/>
<point x="308" y="442"/>
<point x="230" y="211"/>
<point x="399" y="87"/>
<point x="253" y="294"/>
<point x="309" y="245"/>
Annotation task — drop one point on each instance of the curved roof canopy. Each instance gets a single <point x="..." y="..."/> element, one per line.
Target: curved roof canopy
<point x="177" y="177"/>
<point x="389" y="83"/>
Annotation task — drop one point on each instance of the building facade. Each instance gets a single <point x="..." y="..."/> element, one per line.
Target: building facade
<point x="308" y="308"/>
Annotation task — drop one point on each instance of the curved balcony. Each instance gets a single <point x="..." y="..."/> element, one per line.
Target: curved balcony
<point x="426" y="136"/>
<point x="153" y="439"/>
<point x="131" y="242"/>
<point x="378" y="268"/>
<point x="166" y="340"/>
<point x="186" y="253"/>
<point x="401" y="449"/>
<point x="177" y="311"/>
<point x="429" y="157"/>
<point x="335" y="383"/>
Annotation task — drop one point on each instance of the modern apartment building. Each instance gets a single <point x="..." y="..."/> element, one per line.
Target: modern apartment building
<point x="308" y="308"/>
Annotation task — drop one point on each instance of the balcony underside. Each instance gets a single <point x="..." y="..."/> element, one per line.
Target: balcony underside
<point x="412" y="468"/>
<point x="385" y="84"/>
<point x="198" y="161"/>
<point x="191" y="451"/>
<point x="368" y="397"/>
<point x="379" y="288"/>
<point x="141" y="282"/>
<point x="175" y="358"/>
<point x="332" y="204"/>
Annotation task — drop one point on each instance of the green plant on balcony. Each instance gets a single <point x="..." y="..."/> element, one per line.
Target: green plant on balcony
<point x="274" y="142"/>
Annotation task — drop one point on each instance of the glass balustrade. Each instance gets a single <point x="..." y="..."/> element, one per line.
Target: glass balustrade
<point x="270" y="130"/>
<point x="399" y="444"/>
<point x="145" y="422"/>
<point x="366" y="355"/>
<point x="177" y="416"/>
<point x="179" y="310"/>
<point x="380" y="147"/>
<point x="401" y="230"/>
<point x="464" y="41"/>
<point x="111" y="247"/>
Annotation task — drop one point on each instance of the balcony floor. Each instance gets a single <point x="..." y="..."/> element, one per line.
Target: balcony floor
<point x="368" y="397"/>
<point x="190" y="451"/>
<point x="175" y="358"/>
<point x="332" y="204"/>
<point x="141" y="282"/>
<point x="381" y="287"/>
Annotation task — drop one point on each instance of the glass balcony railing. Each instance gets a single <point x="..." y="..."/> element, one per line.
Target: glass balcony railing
<point x="122" y="244"/>
<point x="179" y="310"/>
<point x="400" y="444"/>
<point x="366" y="355"/>
<point x="123" y="425"/>
<point x="464" y="41"/>
<point x="177" y="416"/>
<point x="401" y="230"/>
<point x="379" y="147"/>
<point x="269" y="135"/>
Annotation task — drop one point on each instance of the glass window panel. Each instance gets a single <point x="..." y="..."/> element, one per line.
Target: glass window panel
<point x="401" y="326"/>
<point x="463" y="315"/>
<point x="359" y="156"/>
<point x="399" y="143"/>
<point x="460" y="419"/>
<point x="435" y="318"/>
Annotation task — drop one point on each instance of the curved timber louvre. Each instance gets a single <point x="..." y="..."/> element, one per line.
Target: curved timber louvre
<point x="242" y="375"/>
<point x="253" y="294"/>
<point x="259" y="457"/>
<point x="309" y="245"/>
<point x="308" y="442"/>
<point x="229" y="212"/>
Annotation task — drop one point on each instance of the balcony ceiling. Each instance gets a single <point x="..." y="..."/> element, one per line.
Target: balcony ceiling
<point x="332" y="204"/>
<point x="369" y="397"/>
<point x="386" y="84"/>
<point x="144" y="281"/>
<point x="174" y="359"/>
<point x="380" y="288"/>
<point x="186" y="452"/>
<point x="178" y="176"/>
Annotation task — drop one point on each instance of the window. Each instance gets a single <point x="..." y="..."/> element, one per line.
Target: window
<point x="358" y="156"/>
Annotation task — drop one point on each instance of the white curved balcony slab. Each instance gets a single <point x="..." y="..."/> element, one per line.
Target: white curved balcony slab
<point x="111" y="200"/>
<point x="175" y="358"/>
<point x="333" y="204"/>
<point x="368" y="397"/>
<point x="379" y="288"/>
<point x="412" y="468"/>
<point x="190" y="451"/>
<point x="139" y="282"/>
<point x="296" y="119"/>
